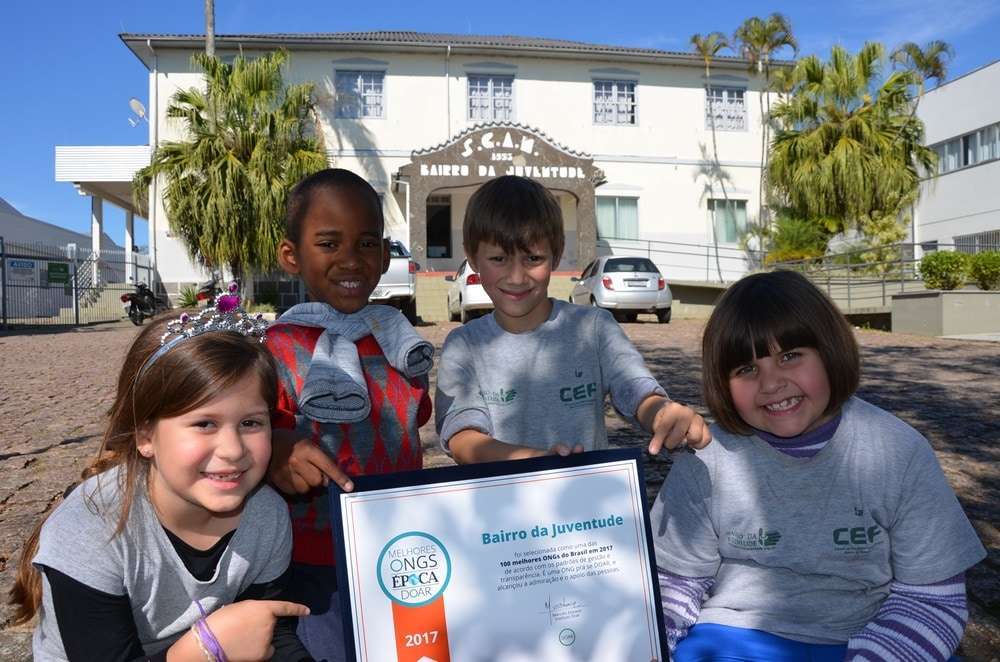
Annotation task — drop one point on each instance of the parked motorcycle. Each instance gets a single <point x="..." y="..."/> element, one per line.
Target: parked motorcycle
<point x="143" y="303"/>
<point x="208" y="290"/>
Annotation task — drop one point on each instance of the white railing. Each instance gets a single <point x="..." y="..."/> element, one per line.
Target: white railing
<point x="686" y="261"/>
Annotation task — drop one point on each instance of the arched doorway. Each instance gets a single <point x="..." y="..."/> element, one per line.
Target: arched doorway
<point x="442" y="178"/>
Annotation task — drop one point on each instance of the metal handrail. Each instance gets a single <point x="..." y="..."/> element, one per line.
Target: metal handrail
<point x="854" y="282"/>
<point x="669" y="256"/>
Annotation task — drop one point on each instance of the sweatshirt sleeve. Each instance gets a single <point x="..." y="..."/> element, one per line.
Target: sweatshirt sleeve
<point x="684" y="536"/>
<point x="457" y="403"/>
<point x="623" y="369"/>
<point x="681" y="599"/>
<point x="915" y="622"/>
<point x="931" y="537"/>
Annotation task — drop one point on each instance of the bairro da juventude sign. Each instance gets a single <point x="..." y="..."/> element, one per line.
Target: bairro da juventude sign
<point x="484" y="152"/>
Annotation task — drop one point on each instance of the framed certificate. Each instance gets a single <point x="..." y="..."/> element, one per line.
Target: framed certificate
<point x="543" y="559"/>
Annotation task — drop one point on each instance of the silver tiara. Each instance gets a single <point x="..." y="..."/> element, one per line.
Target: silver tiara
<point x="225" y="314"/>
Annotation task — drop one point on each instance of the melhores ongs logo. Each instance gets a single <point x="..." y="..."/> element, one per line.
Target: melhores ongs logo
<point x="414" y="568"/>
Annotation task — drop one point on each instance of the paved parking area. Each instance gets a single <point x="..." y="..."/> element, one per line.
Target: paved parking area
<point x="55" y="388"/>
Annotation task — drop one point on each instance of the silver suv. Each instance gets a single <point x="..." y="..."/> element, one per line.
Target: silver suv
<point x="626" y="286"/>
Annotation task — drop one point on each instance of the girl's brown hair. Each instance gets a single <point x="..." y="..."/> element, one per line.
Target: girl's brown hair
<point x="759" y="313"/>
<point x="185" y="378"/>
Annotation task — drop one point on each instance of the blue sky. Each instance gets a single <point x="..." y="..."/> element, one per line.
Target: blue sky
<point x="68" y="77"/>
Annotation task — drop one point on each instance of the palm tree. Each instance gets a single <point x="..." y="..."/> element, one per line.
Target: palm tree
<point x="248" y="141"/>
<point x="210" y="28"/>
<point x="847" y="149"/>
<point x="929" y="62"/>
<point x="759" y="40"/>
<point x="708" y="46"/>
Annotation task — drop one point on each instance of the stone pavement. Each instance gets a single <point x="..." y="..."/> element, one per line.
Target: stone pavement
<point x="56" y="387"/>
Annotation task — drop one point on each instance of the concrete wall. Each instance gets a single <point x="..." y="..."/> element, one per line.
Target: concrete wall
<point x="965" y="201"/>
<point x="946" y="313"/>
<point x="960" y="202"/>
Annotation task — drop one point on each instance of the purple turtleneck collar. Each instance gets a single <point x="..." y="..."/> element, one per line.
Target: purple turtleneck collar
<point x="804" y="445"/>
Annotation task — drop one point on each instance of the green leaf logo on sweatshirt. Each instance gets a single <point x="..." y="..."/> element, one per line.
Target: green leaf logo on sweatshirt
<point x="499" y="397"/>
<point x="759" y="540"/>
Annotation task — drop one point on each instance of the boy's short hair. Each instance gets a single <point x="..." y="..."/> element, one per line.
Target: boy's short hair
<point x="783" y="309"/>
<point x="300" y="197"/>
<point x="513" y="213"/>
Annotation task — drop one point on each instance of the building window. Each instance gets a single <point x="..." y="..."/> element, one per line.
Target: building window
<point x="360" y="94"/>
<point x="614" y="102"/>
<point x="989" y="143"/>
<point x="617" y="218"/>
<point x="729" y="106"/>
<point x="729" y="219"/>
<point x="491" y="98"/>
<point x="969" y="149"/>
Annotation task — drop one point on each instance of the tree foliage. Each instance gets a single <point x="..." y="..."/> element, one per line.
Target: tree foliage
<point x="759" y="40"/>
<point x="248" y="139"/>
<point x="792" y="238"/>
<point x="928" y="62"/>
<point x="848" y="148"/>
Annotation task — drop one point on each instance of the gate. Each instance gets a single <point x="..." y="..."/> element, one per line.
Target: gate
<point x="47" y="285"/>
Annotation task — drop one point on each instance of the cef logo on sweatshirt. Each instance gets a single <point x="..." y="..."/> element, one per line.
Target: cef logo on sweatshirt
<point x="578" y="395"/>
<point x="857" y="539"/>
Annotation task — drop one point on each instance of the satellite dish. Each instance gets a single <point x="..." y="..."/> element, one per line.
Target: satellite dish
<point x="137" y="107"/>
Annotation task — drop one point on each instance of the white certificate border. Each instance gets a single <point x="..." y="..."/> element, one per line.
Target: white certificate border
<point x="499" y="474"/>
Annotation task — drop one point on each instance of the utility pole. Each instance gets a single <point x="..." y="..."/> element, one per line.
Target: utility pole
<point x="210" y="28"/>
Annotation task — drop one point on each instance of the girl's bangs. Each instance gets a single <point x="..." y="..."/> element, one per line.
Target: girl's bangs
<point x="766" y="326"/>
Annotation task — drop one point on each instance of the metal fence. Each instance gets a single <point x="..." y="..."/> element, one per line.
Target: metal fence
<point x="865" y="279"/>
<point x="46" y="284"/>
<point x="687" y="262"/>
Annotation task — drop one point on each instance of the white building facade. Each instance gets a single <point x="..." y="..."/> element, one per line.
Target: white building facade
<point x="960" y="204"/>
<point x="620" y="135"/>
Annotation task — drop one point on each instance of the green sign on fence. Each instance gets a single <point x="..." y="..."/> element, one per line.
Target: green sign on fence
<point x="58" y="273"/>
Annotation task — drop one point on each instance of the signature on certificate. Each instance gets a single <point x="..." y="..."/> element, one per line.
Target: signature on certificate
<point x="562" y="609"/>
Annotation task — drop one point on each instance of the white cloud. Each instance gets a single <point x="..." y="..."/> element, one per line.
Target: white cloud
<point x="895" y="21"/>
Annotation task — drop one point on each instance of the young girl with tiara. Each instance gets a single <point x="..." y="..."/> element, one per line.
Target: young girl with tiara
<point x="171" y="549"/>
<point x="817" y="526"/>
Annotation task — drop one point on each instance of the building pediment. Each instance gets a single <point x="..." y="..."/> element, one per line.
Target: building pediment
<point x="486" y="151"/>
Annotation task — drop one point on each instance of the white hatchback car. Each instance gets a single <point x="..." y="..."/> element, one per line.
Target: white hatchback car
<point x="466" y="294"/>
<point x="626" y="286"/>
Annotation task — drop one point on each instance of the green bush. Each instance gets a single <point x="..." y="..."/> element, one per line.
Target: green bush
<point x="944" y="270"/>
<point x="188" y="297"/>
<point x="793" y="238"/>
<point x="985" y="270"/>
